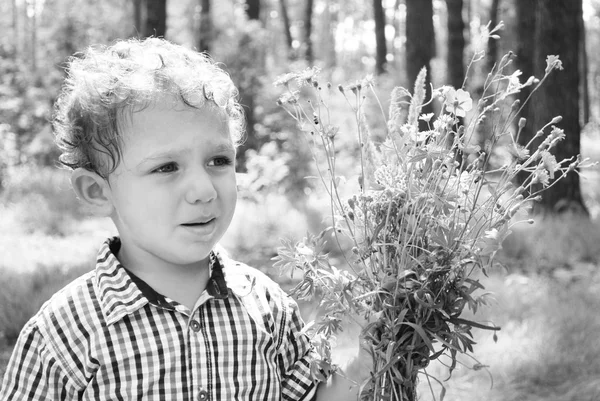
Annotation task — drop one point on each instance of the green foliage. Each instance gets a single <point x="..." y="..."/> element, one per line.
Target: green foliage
<point x="422" y="223"/>
<point x="31" y="70"/>
<point x="39" y="200"/>
<point x="23" y="293"/>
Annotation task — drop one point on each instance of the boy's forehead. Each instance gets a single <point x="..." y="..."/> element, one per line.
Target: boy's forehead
<point x="166" y="130"/>
<point x="163" y="116"/>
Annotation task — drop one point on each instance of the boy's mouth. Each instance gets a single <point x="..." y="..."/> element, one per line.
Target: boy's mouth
<point x="198" y="223"/>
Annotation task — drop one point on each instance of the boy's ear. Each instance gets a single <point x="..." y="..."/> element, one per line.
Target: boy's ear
<point x="93" y="191"/>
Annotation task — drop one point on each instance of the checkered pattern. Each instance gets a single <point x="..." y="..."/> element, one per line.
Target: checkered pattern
<point x="109" y="336"/>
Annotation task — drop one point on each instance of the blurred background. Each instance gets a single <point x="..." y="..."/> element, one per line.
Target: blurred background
<point x="547" y="288"/>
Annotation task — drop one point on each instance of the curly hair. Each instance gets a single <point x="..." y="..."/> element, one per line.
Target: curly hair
<point x="104" y="82"/>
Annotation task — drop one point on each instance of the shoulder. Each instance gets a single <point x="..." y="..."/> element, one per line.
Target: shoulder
<point x="74" y="306"/>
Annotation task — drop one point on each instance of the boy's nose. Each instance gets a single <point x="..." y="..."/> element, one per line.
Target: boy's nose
<point x="200" y="188"/>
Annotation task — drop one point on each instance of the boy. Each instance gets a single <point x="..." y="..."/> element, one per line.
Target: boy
<point x="149" y="129"/>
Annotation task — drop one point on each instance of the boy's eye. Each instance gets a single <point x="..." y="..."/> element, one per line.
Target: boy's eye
<point x="167" y="168"/>
<point x="220" y="161"/>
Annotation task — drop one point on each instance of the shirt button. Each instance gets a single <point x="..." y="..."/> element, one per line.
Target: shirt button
<point x="202" y="395"/>
<point x="195" y="326"/>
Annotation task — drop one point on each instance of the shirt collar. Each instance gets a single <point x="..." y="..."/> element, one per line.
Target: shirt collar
<point x="121" y="292"/>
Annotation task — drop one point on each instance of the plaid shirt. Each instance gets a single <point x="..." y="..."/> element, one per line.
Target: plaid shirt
<point x="109" y="336"/>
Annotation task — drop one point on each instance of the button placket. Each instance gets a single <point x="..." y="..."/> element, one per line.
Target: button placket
<point x="195" y="326"/>
<point x="202" y="395"/>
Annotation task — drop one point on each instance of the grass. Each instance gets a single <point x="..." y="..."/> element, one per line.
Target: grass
<point x="547" y="348"/>
<point x="545" y="300"/>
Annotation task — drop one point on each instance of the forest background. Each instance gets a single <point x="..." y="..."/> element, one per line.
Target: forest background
<point x="546" y="293"/>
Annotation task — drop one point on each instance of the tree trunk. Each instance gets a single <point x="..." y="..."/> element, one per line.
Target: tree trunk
<point x="287" y="28"/>
<point x="456" y="43"/>
<point x="253" y="9"/>
<point x="557" y="33"/>
<point x="583" y="64"/>
<point x="33" y="38"/>
<point x="250" y="86"/>
<point x="138" y="20"/>
<point x="526" y="11"/>
<point x="308" y="47"/>
<point x="381" y="46"/>
<point x="205" y="29"/>
<point x="492" y="46"/>
<point x="156" y="18"/>
<point x="15" y="29"/>
<point x="485" y="127"/>
<point x="420" y="42"/>
<point x="330" y="19"/>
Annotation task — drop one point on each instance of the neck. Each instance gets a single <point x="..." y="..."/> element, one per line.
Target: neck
<point x="183" y="284"/>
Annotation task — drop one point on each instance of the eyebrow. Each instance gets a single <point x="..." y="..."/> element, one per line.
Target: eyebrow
<point x="225" y="147"/>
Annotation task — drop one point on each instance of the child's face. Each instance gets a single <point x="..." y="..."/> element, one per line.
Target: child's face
<point x="174" y="192"/>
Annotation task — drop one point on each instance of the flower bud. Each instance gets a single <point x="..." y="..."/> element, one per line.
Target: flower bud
<point x="556" y="120"/>
<point x="522" y="122"/>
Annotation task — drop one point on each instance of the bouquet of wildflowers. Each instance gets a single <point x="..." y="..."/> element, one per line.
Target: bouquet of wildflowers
<point x="429" y="213"/>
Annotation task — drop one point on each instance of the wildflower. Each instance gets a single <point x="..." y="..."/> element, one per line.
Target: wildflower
<point x="530" y="81"/>
<point x="553" y="62"/>
<point x="550" y="163"/>
<point x="331" y="131"/>
<point x="458" y="102"/>
<point x="308" y="75"/>
<point x="514" y="85"/>
<point x="426" y="117"/>
<point x="390" y="177"/>
<point x="284" y="80"/>
<point x="519" y="152"/>
<point x="557" y="134"/>
<point x="289" y="98"/>
<point x="368" y="81"/>
<point x="441" y="92"/>
<point x="443" y="122"/>
<point x="540" y="176"/>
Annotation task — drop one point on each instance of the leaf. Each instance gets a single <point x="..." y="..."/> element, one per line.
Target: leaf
<point x="422" y="334"/>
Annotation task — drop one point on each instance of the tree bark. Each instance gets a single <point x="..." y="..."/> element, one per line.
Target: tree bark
<point x="420" y="42"/>
<point x="330" y="20"/>
<point x="15" y="29"/>
<point x="156" y="18"/>
<point x="251" y="67"/>
<point x="557" y="33"/>
<point x="287" y="28"/>
<point x="381" y="45"/>
<point x="456" y="43"/>
<point x="492" y="46"/>
<point x="33" y="38"/>
<point x="526" y="22"/>
<point x="205" y="29"/>
<point x="583" y="64"/>
<point x="308" y="46"/>
<point x="138" y="20"/>
<point x="253" y="9"/>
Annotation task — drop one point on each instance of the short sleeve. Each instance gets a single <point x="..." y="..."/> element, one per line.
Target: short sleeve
<point x="33" y="373"/>
<point x="297" y="353"/>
